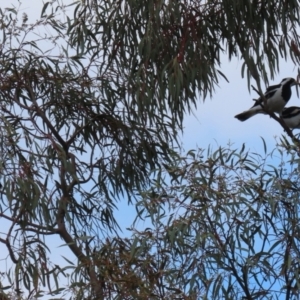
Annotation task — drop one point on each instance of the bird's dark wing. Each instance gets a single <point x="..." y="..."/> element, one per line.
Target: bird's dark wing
<point x="272" y="87"/>
<point x="290" y="111"/>
<point x="271" y="90"/>
<point x="269" y="93"/>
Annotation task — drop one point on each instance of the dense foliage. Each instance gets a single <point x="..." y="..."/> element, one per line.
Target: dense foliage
<point x="93" y="96"/>
<point x="225" y="227"/>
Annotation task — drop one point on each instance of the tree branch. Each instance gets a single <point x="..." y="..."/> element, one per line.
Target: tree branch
<point x="41" y="114"/>
<point x="95" y="283"/>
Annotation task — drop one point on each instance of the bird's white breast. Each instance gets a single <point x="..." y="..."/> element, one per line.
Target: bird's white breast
<point x="276" y="103"/>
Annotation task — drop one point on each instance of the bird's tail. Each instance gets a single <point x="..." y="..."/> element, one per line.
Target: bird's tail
<point x="246" y="115"/>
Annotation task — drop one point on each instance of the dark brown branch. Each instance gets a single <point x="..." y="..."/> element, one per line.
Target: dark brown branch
<point x="77" y="131"/>
<point x="64" y="201"/>
<point x="35" y="226"/>
<point x="222" y="246"/>
<point x="10" y="251"/>
<point x="95" y="284"/>
<point x="41" y="114"/>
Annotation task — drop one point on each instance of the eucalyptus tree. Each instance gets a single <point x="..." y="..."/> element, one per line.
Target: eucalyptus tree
<point x="225" y="227"/>
<point x="93" y="95"/>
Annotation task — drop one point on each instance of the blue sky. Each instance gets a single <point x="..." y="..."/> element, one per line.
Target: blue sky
<point x="212" y="123"/>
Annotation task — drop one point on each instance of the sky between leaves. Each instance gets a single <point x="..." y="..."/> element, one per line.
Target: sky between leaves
<point x="212" y="123"/>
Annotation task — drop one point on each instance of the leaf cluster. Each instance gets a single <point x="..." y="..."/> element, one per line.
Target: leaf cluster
<point x="228" y="222"/>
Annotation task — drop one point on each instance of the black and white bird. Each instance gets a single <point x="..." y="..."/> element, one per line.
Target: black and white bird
<point x="277" y="97"/>
<point x="291" y="117"/>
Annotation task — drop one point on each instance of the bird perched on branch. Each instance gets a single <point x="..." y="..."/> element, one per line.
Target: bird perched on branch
<point x="277" y="97"/>
<point x="291" y="116"/>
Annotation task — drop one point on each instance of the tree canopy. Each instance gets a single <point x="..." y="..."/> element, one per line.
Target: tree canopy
<point x="93" y="95"/>
<point x="226" y="227"/>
